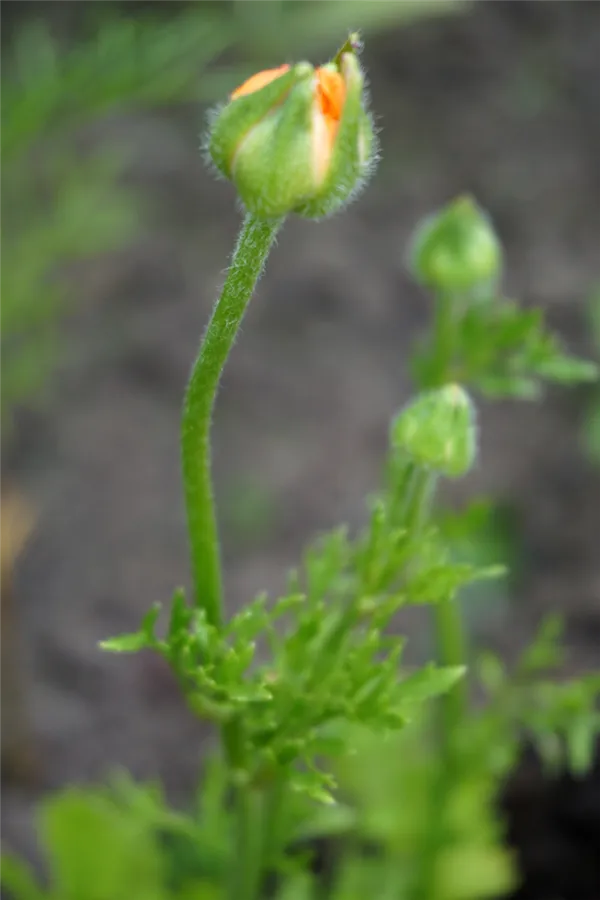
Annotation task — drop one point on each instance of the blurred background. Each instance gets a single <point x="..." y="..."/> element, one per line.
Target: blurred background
<point x="115" y="242"/>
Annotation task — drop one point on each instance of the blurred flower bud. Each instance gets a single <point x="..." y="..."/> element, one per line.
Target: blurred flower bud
<point x="438" y="430"/>
<point x="297" y="139"/>
<point x="456" y="249"/>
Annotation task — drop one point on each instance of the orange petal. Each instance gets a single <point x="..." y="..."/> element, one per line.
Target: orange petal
<point x="331" y="92"/>
<point x="258" y="81"/>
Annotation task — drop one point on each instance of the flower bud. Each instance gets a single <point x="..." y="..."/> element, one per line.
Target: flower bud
<point x="296" y="139"/>
<point x="438" y="430"/>
<point x="456" y="249"/>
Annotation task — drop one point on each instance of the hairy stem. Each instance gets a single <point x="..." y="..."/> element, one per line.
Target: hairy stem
<point x="255" y="241"/>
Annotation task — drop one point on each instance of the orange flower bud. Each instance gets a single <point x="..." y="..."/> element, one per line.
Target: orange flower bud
<point x="296" y="139"/>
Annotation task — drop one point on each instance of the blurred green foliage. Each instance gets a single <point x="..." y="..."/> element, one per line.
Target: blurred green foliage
<point x="58" y="206"/>
<point x="344" y="748"/>
<point x="404" y="825"/>
<point x="481" y="339"/>
<point x="484" y="533"/>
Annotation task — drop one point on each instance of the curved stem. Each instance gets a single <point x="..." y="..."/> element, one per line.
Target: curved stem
<point x="255" y="241"/>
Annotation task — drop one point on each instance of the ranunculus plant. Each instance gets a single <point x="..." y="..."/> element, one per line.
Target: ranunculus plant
<point x="300" y="140"/>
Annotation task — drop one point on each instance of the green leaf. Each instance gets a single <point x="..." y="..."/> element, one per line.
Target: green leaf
<point x="149" y="622"/>
<point x="581" y="743"/>
<point x="137" y="640"/>
<point x="17" y="878"/>
<point x="567" y="369"/>
<point x="311" y="780"/>
<point x="125" y="643"/>
<point x="428" y="682"/>
<point x="473" y="872"/>
<point x="518" y="387"/>
<point x="96" y="851"/>
<point x="180" y="615"/>
<point x="545" y="651"/>
<point x="507" y="351"/>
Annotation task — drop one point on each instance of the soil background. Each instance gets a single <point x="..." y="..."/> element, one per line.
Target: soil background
<point x="503" y="102"/>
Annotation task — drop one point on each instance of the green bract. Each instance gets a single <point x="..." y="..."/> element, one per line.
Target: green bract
<point x="438" y="431"/>
<point x="283" y="149"/>
<point x="456" y="249"/>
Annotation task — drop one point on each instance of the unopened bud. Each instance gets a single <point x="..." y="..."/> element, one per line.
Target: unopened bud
<point x="438" y="430"/>
<point x="297" y="139"/>
<point x="456" y="249"/>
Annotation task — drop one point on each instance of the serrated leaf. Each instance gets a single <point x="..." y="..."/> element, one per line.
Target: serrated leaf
<point x="125" y="643"/>
<point x="429" y="682"/>
<point x="442" y="582"/>
<point x="137" y="640"/>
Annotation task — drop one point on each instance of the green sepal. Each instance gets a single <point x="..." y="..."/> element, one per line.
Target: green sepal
<point x="273" y="168"/>
<point x="231" y="124"/>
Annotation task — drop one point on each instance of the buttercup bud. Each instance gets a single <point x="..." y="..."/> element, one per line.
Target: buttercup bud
<point x="297" y="139"/>
<point x="438" y="430"/>
<point x="456" y="249"/>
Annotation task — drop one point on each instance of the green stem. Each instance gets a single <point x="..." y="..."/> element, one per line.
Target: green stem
<point x="420" y="489"/>
<point x="448" y="623"/>
<point x="451" y="652"/>
<point x="444" y="325"/>
<point x="253" y="247"/>
<point x="273" y="806"/>
<point x="246" y="868"/>
<point x="451" y="709"/>
<point x="255" y="241"/>
<point x="449" y="629"/>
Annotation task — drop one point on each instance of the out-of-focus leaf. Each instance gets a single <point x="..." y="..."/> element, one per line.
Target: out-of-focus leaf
<point x="17" y="878"/>
<point x="97" y="853"/>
